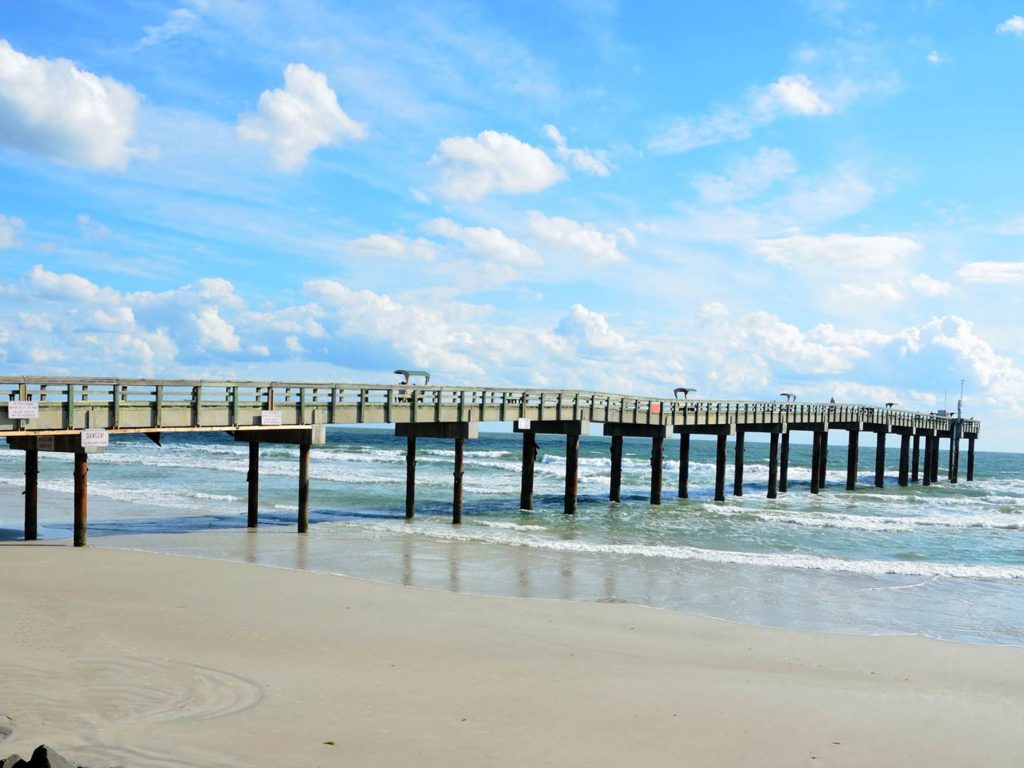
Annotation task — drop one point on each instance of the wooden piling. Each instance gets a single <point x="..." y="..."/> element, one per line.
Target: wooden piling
<point x="615" y="486"/>
<point x="572" y="472"/>
<point x="720" y="468"/>
<point x="904" y="477"/>
<point x="815" y="461"/>
<point x="410" y="476"/>
<point x="773" y="465"/>
<point x="31" y="494"/>
<point x="823" y="460"/>
<point x="784" y="463"/>
<point x="737" y="474"/>
<point x="303" y="487"/>
<point x="915" y="459"/>
<point x="936" y="444"/>
<point x="684" y="465"/>
<point x="954" y="454"/>
<point x="253" y="479"/>
<point x="457" y="485"/>
<point x="926" y="475"/>
<point x="657" y="461"/>
<point x="880" y="460"/>
<point x="970" y="459"/>
<point x="81" y="497"/>
<point x="852" y="459"/>
<point x="526" y="479"/>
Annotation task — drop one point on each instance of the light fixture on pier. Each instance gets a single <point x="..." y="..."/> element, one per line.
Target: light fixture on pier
<point x="790" y="397"/>
<point x="889" y="405"/>
<point x="684" y="390"/>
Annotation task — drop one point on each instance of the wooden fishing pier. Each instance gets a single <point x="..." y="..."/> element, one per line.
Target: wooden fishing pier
<point x="80" y="416"/>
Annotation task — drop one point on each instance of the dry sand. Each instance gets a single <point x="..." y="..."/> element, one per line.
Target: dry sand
<point x="127" y="658"/>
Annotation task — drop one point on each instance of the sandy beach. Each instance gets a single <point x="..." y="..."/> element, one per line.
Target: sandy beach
<point x="136" y="659"/>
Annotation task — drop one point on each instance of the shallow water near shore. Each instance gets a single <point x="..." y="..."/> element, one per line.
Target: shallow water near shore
<point x="945" y="561"/>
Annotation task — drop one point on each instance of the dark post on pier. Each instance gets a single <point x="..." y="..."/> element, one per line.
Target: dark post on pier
<point x="79" y="416"/>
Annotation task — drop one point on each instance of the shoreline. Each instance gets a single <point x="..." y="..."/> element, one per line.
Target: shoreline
<point x="119" y="656"/>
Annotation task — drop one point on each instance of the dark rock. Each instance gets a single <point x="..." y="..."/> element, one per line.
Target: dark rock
<point x="13" y="761"/>
<point x="47" y="757"/>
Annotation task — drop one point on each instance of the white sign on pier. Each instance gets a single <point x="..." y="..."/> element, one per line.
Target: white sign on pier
<point x="270" y="419"/>
<point x="23" y="409"/>
<point x="95" y="438"/>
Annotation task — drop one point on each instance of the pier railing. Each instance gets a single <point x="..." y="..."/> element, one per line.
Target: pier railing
<point x="67" y="405"/>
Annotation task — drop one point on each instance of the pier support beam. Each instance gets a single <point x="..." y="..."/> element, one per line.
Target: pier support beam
<point x="303" y="437"/>
<point x="253" y="480"/>
<point x="737" y="475"/>
<point x="615" y="486"/>
<point x="954" y="454"/>
<point x="784" y="463"/>
<point x="720" y="468"/>
<point x="31" y="494"/>
<point x="880" y="460"/>
<point x="904" y="477"/>
<point x="773" y="465"/>
<point x="410" y="476"/>
<point x="657" y="433"/>
<point x="572" y="429"/>
<point x="81" y="497"/>
<point x="657" y="462"/>
<point x="815" y="461"/>
<point x="929" y="446"/>
<point x="970" y="459"/>
<point x="823" y="460"/>
<point x="457" y="485"/>
<point x="529" y="460"/>
<point x="442" y="430"/>
<point x="684" y="464"/>
<point x="303" y="522"/>
<point x="572" y="473"/>
<point x="936" y="442"/>
<point x="852" y="459"/>
<point x="915" y="458"/>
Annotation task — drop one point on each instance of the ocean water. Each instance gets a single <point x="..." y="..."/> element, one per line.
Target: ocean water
<point x="945" y="560"/>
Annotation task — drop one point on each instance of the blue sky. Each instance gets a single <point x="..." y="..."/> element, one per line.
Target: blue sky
<point x="820" y="197"/>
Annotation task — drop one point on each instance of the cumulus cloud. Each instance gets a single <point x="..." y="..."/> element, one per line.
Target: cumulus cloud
<point x="591" y="334"/>
<point x="1001" y="380"/>
<point x="592" y="161"/>
<point x="472" y="167"/>
<point x="68" y="287"/>
<point x="489" y="243"/>
<point x="9" y="229"/>
<point x="992" y="272"/>
<point x="1012" y="26"/>
<point x="54" y="109"/>
<point x="214" y="331"/>
<point x="747" y="178"/>
<point x="299" y="118"/>
<point x="583" y="239"/>
<point x="790" y="94"/>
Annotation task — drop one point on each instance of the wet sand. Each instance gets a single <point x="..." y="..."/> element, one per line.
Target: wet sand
<point x="136" y="659"/>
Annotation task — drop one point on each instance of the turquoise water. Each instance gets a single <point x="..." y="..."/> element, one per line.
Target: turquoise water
<point x="946" y="561"/>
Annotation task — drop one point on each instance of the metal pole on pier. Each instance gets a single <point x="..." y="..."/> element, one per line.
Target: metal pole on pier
<point x="970" y="459"/>
<point x="929" y="447"/>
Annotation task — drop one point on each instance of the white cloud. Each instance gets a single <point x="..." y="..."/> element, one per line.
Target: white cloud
<point x="68" y="287"/>
<point x="54" y="109"/>
<point x="926" y="285"/>
<point x="789" y="95"/>
<point x="489" y="243"/>
<point x="1012" y="26"/>
<point x="591" y="333"/>
<point x="934" y="57"/>
<point x="841" y="252"/>
<point x="590" y="161"/>
<point x="393" y="247"/>
<point x="179" y="21"/>
<point x="835" y="196"/>
<point x="747" y="178"/>
<point x="9" y="229"/>
<point x="579" y="238"/>
<point x="92" y="229"/>
<point x="992" y="272"/>
<point x="473" y="167"/>
<point x="1002" y="380"/>
<point x="299" y="118"/>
